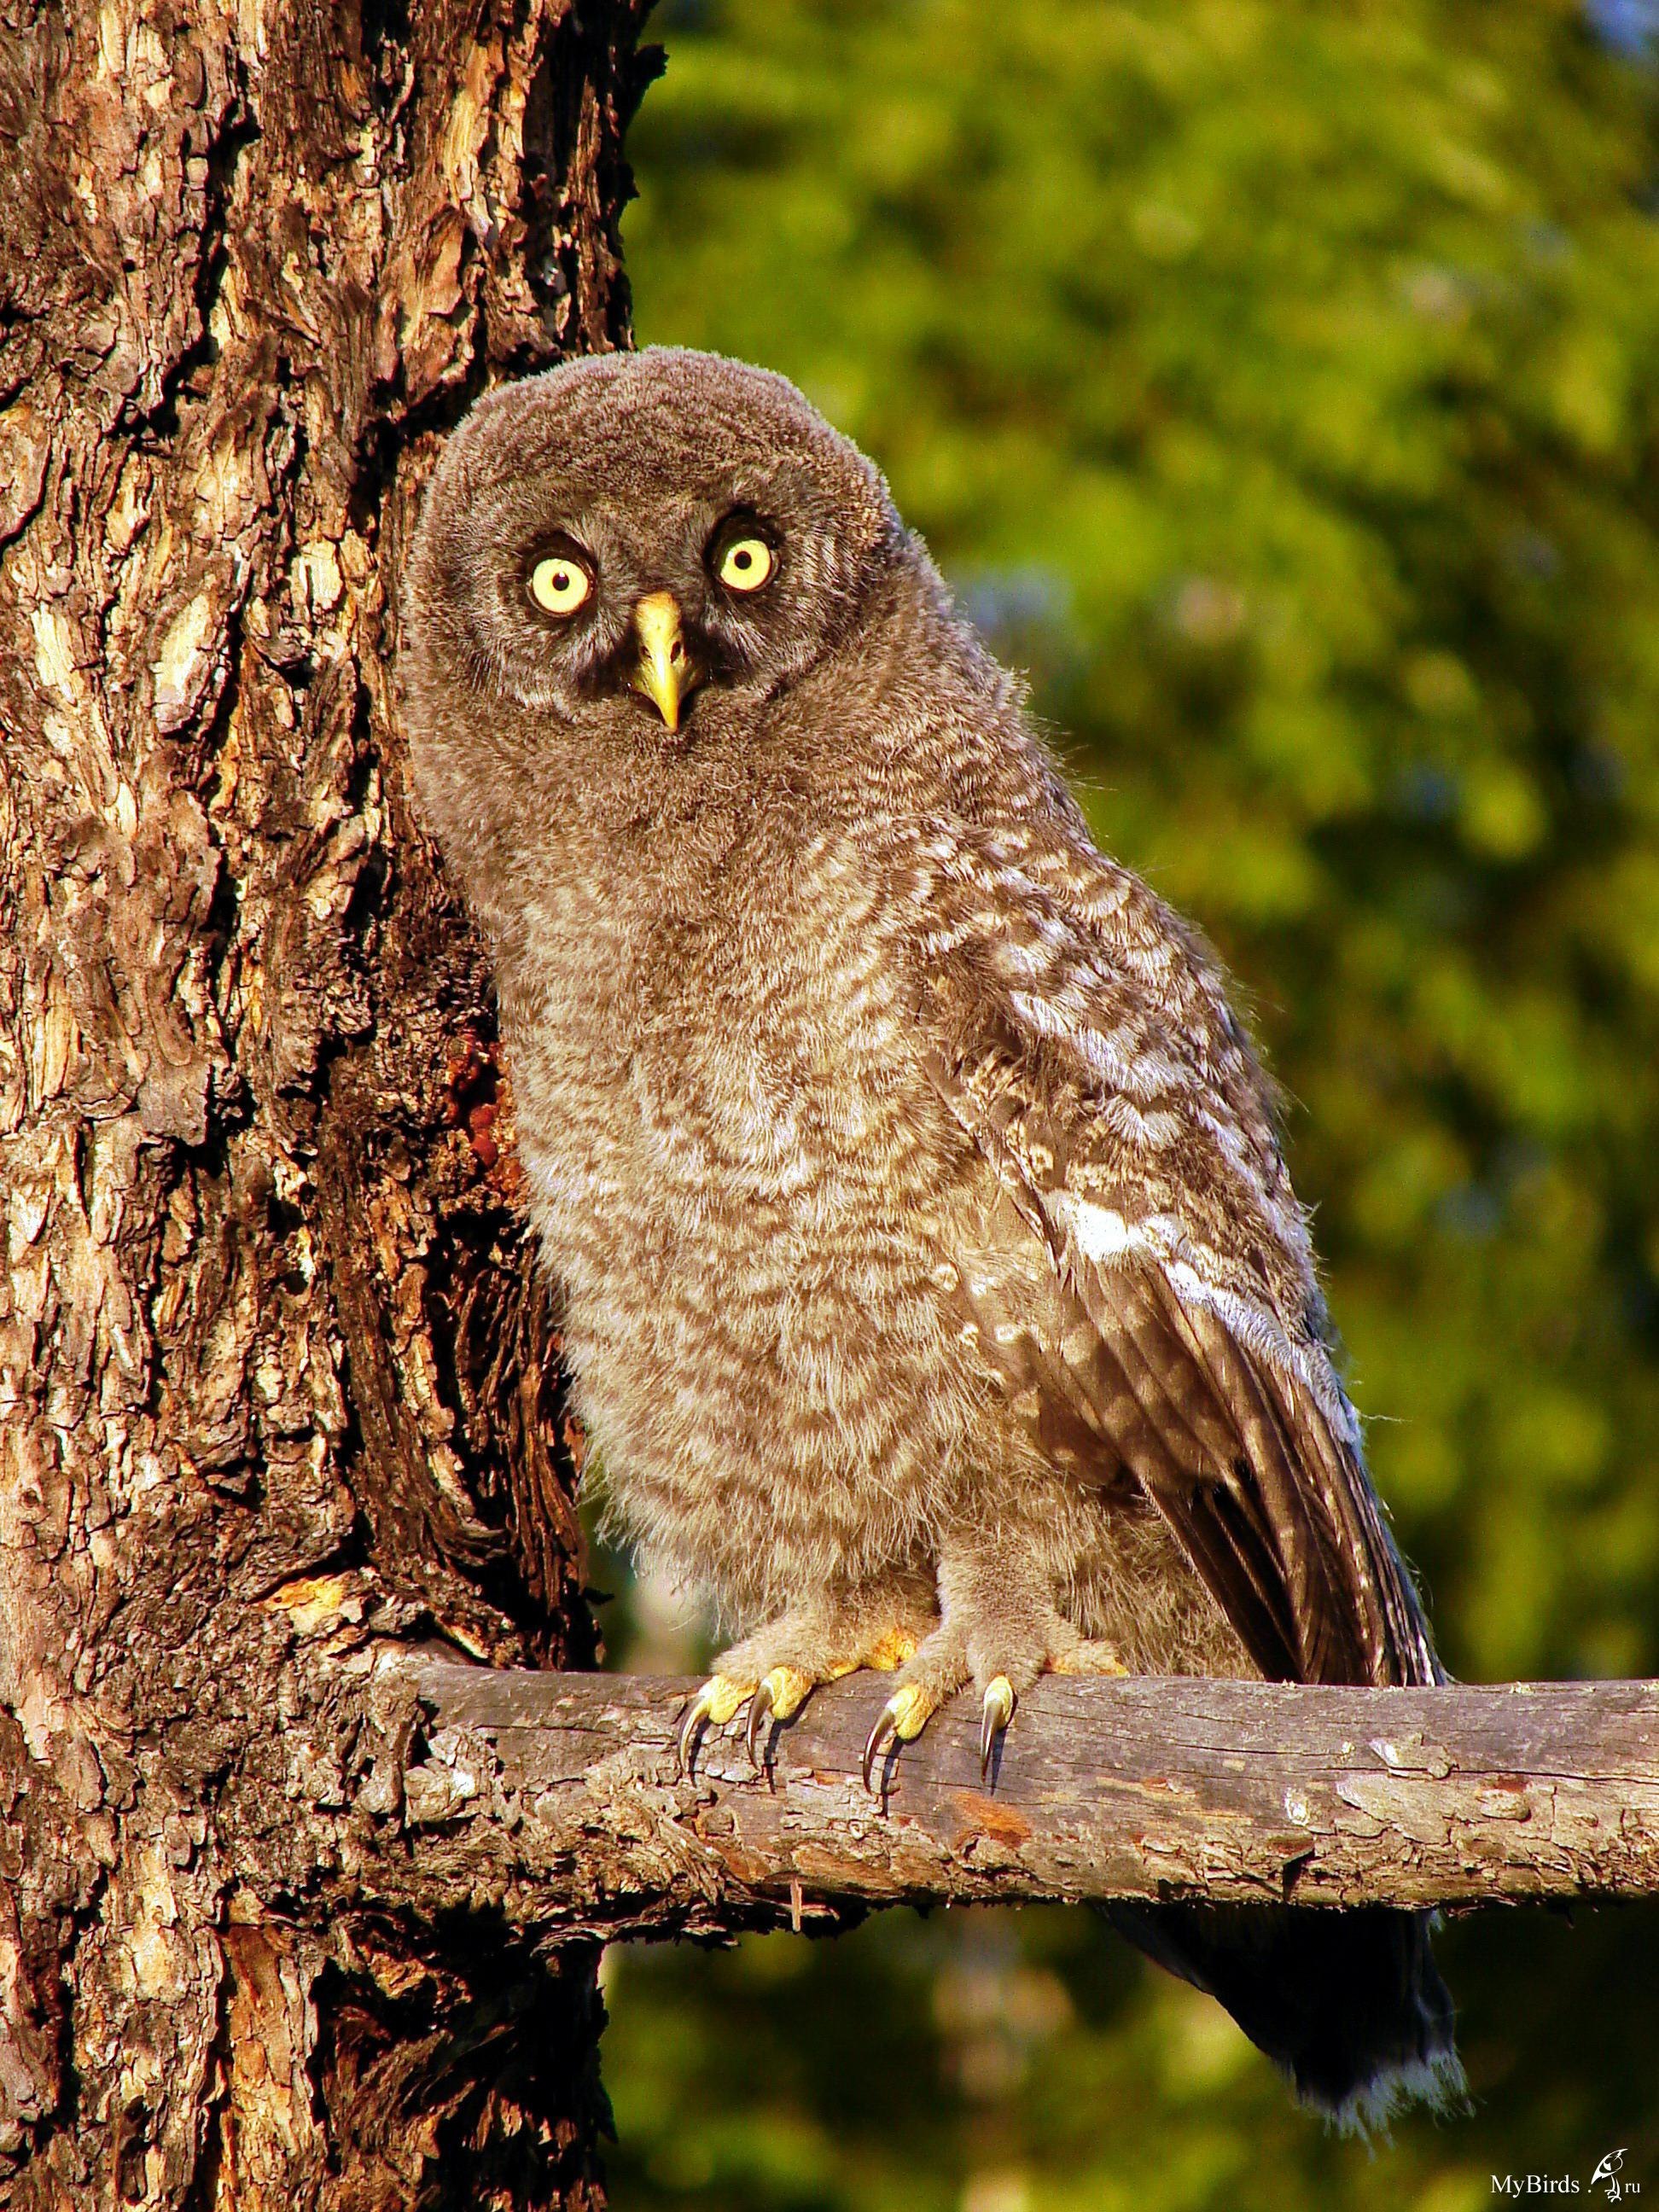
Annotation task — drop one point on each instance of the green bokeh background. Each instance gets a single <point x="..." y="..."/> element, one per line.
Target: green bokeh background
<point x="1279" y="385"/>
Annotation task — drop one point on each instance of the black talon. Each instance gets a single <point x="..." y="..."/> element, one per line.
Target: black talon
<point x="999" y="1711"/>
<point x="760" y="1706"/>
<point x="885" y="1726"/>
<point x="690" y="1736"/>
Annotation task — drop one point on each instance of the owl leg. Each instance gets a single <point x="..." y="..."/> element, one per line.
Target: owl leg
<point x="776" y="1669"/>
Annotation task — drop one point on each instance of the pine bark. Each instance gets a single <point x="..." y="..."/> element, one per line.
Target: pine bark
<point x="276" y="1379"/>
<point x="563" y="1796"/>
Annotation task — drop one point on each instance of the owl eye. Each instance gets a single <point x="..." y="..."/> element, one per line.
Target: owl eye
<point x="561" y="584"/>
<point x="745" y="563"/>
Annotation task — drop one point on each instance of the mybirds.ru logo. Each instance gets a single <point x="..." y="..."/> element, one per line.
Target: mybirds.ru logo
<point x="1608" y="2179"/>
<point x="1605" y="2176"/>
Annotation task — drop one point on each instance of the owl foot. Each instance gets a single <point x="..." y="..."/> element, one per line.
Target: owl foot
<point x="781" y="1692"/>
<point x="937" y="1671"/>
<point x="1086" y="1655"/>
<point x="777" y="1669"/>
<point x="913" y="1704"/>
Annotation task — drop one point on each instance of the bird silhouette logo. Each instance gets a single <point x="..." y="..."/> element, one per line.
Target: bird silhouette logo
<point x="1606" y="2174"/>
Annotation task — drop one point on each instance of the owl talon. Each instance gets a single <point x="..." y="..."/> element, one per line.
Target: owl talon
<point x="718" y="1699"/>
<point x="780" y="1696"/>
<point x="690" y="1735"/>
<point x="999" y="1711"/>
<point x="885" y="1726"/>
<point x="903" y="1718"/>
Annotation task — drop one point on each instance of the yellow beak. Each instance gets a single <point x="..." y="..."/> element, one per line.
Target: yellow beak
<point x="664" y="674"/>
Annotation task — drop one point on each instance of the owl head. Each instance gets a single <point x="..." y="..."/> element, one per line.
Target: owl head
<point x="633" y="539"/>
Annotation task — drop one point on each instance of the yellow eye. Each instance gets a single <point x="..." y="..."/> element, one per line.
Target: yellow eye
<point x="560" y="584"/>
<point x="745" y="564"/>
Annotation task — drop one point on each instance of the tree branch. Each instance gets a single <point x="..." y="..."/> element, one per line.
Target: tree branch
<point x="557" y="1800"/>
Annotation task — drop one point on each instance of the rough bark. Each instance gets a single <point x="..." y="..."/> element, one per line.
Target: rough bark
<point x="560" y="1798"/>
<point x="273" y="1366"/>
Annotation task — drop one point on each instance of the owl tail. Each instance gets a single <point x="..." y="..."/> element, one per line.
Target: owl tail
<point x="1350" y="2004"/>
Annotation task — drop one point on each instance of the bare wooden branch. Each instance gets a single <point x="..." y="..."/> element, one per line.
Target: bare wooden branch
<point x="563" y="1805"/>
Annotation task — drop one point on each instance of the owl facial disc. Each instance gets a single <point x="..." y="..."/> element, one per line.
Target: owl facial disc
<point x="666" y="672"/>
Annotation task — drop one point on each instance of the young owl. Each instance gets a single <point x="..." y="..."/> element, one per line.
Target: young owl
<point x="934" y="1291"/>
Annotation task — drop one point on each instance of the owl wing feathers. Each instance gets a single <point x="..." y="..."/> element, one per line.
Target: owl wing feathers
<point x="1138" y="1150"/>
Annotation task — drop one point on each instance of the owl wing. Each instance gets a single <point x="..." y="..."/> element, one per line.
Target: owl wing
<point x="1081" y="1037"/>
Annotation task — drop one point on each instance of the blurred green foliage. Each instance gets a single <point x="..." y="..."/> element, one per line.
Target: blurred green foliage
<point x="1279" y="384"/>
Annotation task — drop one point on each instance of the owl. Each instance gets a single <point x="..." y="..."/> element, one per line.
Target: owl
<point x="934" y="1291"/>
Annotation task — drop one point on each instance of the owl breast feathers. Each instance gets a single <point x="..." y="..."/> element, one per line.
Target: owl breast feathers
<point x="935" y="1293"/>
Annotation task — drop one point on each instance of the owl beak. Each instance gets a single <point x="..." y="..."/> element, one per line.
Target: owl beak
<point x="665" y="673"/>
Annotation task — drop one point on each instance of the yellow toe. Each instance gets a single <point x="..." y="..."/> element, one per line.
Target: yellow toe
<point x="891" y="1650"/>
<point x="912" y="1708"/>
<point x="722" y="1695"/>
<point x="903" y="1718"/>
<point x="789" y="1688"/>
<point x="1089" y="1658"/>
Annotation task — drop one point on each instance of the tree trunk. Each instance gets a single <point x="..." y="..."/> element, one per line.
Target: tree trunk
<point x="273" y="1361"/>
